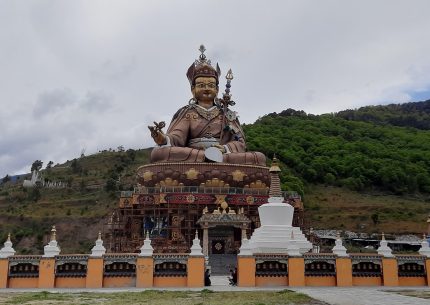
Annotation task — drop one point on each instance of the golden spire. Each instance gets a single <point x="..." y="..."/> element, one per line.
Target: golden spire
<point x="275" y="183"/>
<point x="275" y="167"/>
<point x="100" y="235"/>
<point x="383" y="236"/>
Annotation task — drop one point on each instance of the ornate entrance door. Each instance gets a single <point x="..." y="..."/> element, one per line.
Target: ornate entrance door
<point x="218" y="246"/>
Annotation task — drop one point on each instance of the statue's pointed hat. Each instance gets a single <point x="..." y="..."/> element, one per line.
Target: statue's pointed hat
<point x="202" y="68"/>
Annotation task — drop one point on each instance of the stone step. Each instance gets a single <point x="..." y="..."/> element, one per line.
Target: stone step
<point x="219" y="280"/>
<point x="222" y="263"/>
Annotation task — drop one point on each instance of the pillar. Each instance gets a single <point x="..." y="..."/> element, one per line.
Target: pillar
<point x="196" y="271"/>
<point x="144" y="272"/>
<point x="205" y="242"/>
<point x="343" y="272"/>
<point x="46" y="273"/>
<point x="296" y="271"/>
<point x="4" y="270"/>
<point x="245" y="271"/>
<point x="390" y="275"/>
<point x="94" y="273"/>
<point x="427" y="271"/>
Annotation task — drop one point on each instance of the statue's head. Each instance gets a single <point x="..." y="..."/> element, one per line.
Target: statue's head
<point x="203" y="77"/>
<point x="205" y="88"/>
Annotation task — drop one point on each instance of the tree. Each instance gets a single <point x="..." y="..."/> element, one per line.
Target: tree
<point x="36" y="166"/>
<point x="49" y="165"/>
<point x="76" y="166"/>
<point x="6" y="179"/>
<point x="375" y="218"/>
<point x="111" y="185"/>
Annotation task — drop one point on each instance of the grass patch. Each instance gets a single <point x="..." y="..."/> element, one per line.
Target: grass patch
<point x="158" y="297"/>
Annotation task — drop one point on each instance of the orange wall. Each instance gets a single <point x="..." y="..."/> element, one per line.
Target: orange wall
<point x="70" y="282"/>
<point x="343" y="272"/>
<point x="196" y="272"/>
<point x="23" y="282"/>
<point x="390" y="272"/>
<point x="320" y="281"/>
<point x="170" y="281"/>
<point x="4" y="270"/>
<point x="245" y="271"/>
<point x="144" y="272"/>
<point x="296" y="271"/>
<point x="119" y="281"/>
<point x="366" y="281"/>
<point x="265" y="281"/>
<point x="412" y="281"/>
<point x="94" y="273"/>
<point x="47" y="273"/>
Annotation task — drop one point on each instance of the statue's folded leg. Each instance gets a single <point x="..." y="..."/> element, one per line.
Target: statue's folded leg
<point x="177" y="154"/>
<point x="250" y="158"/>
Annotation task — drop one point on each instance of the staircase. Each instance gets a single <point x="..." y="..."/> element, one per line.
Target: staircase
<point x="222" y="263"/>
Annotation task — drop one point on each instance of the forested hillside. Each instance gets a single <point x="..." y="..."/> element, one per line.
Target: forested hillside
<point x="415" y="114"/>
<point x="354" y="154"/>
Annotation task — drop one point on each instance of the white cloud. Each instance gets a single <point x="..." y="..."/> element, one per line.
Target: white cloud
<point x="93" y="74"/>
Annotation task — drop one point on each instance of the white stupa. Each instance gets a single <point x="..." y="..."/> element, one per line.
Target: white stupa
<point x="276" y="233"/>
<point x="196" y="249"/>
<point x="425" y="249"/>
<point x="98" y="250"/>
<point x="383" y="249"/>
<point x="146" y="250"/>
<point x="339" y="249"/>
<point x="52" y="249"/>
<point x="7" y="249"/>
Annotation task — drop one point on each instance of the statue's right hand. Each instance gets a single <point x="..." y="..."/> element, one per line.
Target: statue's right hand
<point x="158" y="136"/>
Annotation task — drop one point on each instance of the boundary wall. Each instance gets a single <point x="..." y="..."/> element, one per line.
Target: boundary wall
<point x="110" y="270"/>
<point x="330" y="270"/>
<point x="184" y="270"/>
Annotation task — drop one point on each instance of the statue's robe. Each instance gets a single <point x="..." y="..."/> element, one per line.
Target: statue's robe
<point x="192" y="123"/>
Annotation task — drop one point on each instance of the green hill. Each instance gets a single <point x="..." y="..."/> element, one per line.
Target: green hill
<point x="414" y="114"/>
<point x="356" y="174"/>
<point x="353" y="154"/>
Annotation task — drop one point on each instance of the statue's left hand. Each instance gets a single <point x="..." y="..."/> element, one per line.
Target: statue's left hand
<point x="221" y="148"/>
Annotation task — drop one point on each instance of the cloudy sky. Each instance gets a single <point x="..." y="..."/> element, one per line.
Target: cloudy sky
<point x="93" y="74"/>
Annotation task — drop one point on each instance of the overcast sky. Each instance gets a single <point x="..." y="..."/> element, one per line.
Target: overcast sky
<point x="93" y="74"/>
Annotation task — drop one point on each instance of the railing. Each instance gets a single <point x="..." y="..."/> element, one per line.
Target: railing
<point x="320" y="268"/>
<point x="271" y="268"/>
<point x="206" y="190"/>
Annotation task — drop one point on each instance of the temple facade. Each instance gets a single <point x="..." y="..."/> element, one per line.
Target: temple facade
<point x="174" y="200"/>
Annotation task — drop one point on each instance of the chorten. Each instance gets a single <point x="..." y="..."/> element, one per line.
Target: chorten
<point x="276" y="234"/>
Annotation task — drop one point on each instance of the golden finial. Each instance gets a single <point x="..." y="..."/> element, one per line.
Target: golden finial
<point x="275" y="165"/>
<point x="383" y="236"/>
<point x="229" y="75"/>
<point x="8" y="236"/>
<point x="100" y="235"/>
<point x="53" y="233"/>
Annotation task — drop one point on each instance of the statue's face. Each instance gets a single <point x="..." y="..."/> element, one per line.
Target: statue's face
<point x="205" y="89"/>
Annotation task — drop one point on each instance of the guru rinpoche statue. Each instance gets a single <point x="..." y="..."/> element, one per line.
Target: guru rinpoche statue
<point x="205" y="130"/>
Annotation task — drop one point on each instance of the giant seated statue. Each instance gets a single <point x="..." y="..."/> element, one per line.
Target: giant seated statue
<point x="205" y="131"/>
